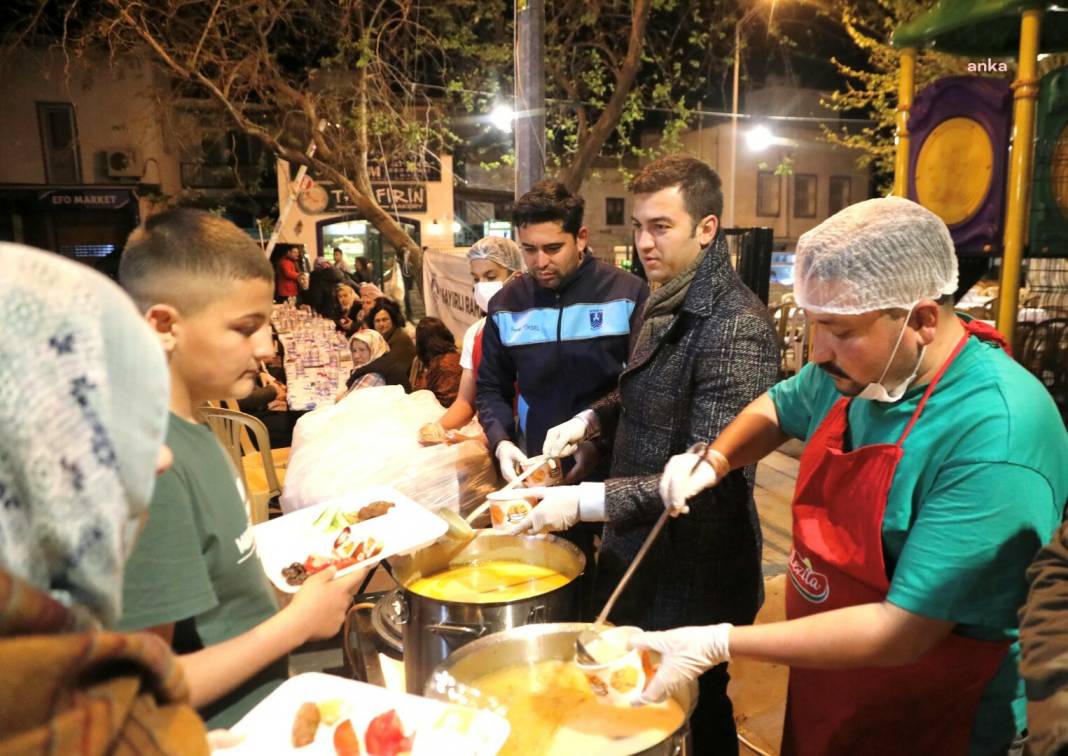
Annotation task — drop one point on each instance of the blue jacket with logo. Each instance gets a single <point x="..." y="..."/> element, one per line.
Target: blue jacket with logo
<point x="563" y="348"/>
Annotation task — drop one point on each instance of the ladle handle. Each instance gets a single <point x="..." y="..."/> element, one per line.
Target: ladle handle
<point x="633" y="566"/>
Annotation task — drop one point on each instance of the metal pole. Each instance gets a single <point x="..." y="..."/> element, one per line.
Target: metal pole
<point x="905" y="88"/>
<point x="1025" y="90"/>
<point x="734" y="125"/>
<point x="529" y="94"/>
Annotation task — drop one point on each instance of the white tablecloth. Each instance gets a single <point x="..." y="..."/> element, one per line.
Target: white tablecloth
<point x="317" y="359"/>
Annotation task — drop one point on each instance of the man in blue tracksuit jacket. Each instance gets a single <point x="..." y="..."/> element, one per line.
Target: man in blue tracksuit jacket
<point x="560" y="333"/>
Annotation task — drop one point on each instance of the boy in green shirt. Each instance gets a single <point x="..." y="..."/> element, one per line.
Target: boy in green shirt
<point x="205" y="288"/>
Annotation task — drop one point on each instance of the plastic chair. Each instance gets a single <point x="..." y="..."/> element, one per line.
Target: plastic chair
<point x="228" y="426"/>
<point x="250" y="454"/>
<point x="1044" y="352"/>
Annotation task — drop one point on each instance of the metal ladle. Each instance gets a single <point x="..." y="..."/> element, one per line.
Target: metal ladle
<point x="590" y="635"/>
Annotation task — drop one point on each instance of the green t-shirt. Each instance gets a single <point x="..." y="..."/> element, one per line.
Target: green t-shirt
<point x="195" y="564"/>
<point x="981" y="487"/>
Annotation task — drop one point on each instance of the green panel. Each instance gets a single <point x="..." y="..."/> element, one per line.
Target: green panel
<point x="1049" y="222"/>
<point x="982" y="28"/>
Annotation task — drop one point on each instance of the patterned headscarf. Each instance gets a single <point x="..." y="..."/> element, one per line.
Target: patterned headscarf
<point x="83" y="406"/>
<point x="374" y="341"/>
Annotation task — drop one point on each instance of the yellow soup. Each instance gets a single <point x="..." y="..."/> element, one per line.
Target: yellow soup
<point x="488" y="582"/>
<point x="553" y="712"/>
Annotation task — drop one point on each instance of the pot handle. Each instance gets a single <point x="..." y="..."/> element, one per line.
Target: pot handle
<point x="447" y="628"/>
<point x="537" y="614"/>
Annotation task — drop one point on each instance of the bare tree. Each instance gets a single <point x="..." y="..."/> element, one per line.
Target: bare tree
<point x="280" y="68"/>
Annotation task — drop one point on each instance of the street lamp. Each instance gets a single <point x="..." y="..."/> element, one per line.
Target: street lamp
<point x="759" y="138"/>
<point x="734" y="105"/>
<point x="502" y="117"/>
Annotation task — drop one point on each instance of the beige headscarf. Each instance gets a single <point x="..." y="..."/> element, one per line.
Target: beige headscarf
<point x="83" y="407"/>
<point x="374" y="341"/>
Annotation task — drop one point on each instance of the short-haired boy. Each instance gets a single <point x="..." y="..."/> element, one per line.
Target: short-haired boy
<point x="205" y="287"/>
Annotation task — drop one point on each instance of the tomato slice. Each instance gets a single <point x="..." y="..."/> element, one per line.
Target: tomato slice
<point x="385" y="735"/>
<point x="316" y="563"/>
<point x="345" y="742"/>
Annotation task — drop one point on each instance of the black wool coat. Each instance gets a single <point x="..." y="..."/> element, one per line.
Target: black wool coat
<point x="684" y="384"/>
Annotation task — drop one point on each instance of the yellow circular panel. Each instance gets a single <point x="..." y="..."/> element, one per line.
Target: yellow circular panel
<point x="954" y="170"/>
<point x="1059" y="171"/>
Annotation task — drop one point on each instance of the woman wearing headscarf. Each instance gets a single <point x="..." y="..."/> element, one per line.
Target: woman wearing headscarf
<point x="493" y="260"/>
<point x="366" y="346"/>
<point x="437" y="368"/>
<point x="83" y="405"/>
<point x="394" y="367"/>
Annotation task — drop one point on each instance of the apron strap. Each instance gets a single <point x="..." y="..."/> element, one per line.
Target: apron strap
<point x="931" y="386"/>
<point x="987" y="333"/>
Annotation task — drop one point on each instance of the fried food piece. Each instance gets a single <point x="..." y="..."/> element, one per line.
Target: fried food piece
<point x="305" y="724"/>
<point x="369" y="512"/>
<point x="295" y="574"/>
<point x="374" y="509"/>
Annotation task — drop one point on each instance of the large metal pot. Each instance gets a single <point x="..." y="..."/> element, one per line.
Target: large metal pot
<point x="434" y="629"/>
<point x="537" y="643"/>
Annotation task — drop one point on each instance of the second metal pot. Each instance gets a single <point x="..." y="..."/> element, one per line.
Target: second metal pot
<point x="433" y="629"/>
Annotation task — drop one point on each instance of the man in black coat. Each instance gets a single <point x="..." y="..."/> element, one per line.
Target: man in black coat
<point x="706" y="348"/>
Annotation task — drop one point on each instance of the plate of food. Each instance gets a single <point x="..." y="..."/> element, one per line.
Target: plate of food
<point x="348" y="533"/>
<point x="316" y="714"/>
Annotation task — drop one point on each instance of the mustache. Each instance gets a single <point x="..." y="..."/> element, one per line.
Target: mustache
<point x="831" y="369"/>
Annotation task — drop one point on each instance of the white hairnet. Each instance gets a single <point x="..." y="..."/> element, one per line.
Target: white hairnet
<point x="497" y="249"/>
<point x="874" y="255"/>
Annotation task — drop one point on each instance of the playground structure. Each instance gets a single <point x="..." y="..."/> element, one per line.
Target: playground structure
<point x="954" y="138"/>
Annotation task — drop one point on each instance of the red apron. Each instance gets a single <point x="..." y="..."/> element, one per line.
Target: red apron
<point x="926" y="707"/>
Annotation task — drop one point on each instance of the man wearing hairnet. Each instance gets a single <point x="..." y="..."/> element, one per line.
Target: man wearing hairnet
<point x="934" y="468"/>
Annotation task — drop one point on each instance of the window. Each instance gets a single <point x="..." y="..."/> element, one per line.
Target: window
<point x="768" y="190"/>
<point x="804" y="195"/>
<point x="839" y="194"/>
<point x="613" y="211"/>
<point x="59" y="142"/>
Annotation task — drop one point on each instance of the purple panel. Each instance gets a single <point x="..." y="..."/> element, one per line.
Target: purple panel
<point x="989" y="103"/>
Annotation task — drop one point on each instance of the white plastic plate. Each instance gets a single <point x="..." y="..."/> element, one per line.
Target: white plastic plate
<point x="292" y="538"/>
<point x="440" y="729"/>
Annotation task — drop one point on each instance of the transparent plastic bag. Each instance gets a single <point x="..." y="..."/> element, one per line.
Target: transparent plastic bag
<point x="372" y="437"/>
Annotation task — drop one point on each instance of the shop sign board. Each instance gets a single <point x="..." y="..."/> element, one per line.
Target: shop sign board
<point x="407" y="198"/>
<point x="94" y="199"/>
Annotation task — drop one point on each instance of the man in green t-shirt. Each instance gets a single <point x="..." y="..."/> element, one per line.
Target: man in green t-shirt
<point x="934" y="468"/>
<point x="194" y="577"/>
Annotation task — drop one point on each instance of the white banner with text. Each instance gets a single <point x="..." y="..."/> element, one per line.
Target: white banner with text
<point x="448" y="289"/>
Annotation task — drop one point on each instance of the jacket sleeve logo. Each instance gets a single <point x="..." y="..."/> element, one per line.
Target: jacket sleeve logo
<point x="596" y="319"/>
<point x="812" y="585"/>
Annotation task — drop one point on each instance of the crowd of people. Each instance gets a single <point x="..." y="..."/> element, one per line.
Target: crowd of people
<point x="934" y="470"/>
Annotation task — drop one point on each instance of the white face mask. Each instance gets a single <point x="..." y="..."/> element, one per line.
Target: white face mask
<point x="877" y="391"/>
<point x="484" y="291"/>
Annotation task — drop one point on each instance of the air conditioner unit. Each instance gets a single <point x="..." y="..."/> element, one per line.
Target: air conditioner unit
<point x="123" y="163"/>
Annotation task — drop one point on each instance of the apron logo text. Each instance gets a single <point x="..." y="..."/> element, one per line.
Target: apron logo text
<point x="812" y="585"/>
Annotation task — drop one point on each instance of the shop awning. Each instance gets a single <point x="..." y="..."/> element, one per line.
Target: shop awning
<point x="982" y="28"/>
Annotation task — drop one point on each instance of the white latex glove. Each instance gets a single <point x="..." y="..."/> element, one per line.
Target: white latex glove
<point x="222" y="739"/>
<point x="511" y="459"/>
<point x="681" y="481"/>
<point x="562" y="440"/>
<point x="557" y="510"/>
<point x="685" y="654"/>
